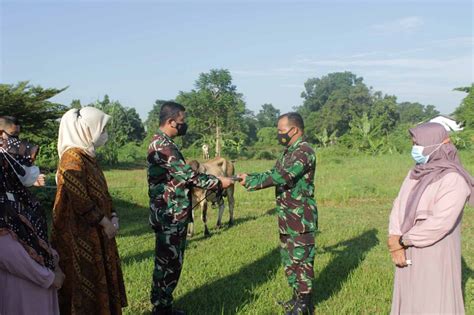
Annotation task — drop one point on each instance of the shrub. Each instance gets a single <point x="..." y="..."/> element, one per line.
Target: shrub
<point x="130" y="153"/>
<point x="463" y="139"/>
<point x="265" y="155"/>
<point x="267" y="136"/>
<point x="48" y="157"/>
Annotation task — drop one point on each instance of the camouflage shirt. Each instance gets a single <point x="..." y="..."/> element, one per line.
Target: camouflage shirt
<point x="170" y="181"/>
<point x="293" y="178"/>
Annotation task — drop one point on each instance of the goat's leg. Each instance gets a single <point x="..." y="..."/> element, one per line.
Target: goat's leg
<point x="191" y="225"/>
<point x="221" y="212"/>
<point x="231" y="201"/>
<point x="204" y="218"/>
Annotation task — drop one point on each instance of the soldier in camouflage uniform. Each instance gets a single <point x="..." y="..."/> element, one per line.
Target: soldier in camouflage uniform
<point x="170" y="181"/>
<point x="293" y="178"/>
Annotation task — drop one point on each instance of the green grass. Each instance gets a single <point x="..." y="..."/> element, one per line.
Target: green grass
<point x="237" y="270"/>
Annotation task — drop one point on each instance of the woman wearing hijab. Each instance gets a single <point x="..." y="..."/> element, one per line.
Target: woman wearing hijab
<point x="29" y="272"/>
<point x="84" y="222"/>
<point x="425" y="227"/>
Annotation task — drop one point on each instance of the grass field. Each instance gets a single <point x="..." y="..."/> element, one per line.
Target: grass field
<point x="237" y="270"/>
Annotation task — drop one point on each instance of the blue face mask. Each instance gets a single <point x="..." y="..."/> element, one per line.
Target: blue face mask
<point x="417" y="153"/>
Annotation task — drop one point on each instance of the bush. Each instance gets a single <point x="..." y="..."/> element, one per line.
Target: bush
<point x="248" y="154"/>
<point x="399" y="139"/>
<point x="48" y="157"/>
<point x="265" y="155"/>
<point x="131" y="153"/>
<point x="463" y="139"/>
<point x="192" y="153"/>
<point x="267" y="136"/>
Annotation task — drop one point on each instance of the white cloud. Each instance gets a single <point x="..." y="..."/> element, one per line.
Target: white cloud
<point x="404" y="25"/>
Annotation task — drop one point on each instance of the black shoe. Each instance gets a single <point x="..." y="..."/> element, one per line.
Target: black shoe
<point x="178" y="312"/>
<point x="288" y="305"/>
<point x="303" y="306"/>
<point x="168" y="311"/>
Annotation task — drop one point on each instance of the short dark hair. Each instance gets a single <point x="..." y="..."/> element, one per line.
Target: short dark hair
<point x="294" y="119"/>
<point x="170" y="110"/>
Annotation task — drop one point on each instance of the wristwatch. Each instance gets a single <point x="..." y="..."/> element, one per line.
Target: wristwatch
<point x="400" y="241"/>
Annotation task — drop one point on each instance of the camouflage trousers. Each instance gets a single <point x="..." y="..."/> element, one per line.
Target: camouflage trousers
<point x="169" y="255"/>
<point x="297" y="255"/>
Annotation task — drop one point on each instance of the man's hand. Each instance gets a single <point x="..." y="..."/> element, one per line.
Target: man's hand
<point x="243" y="177"/>
<point x="109" y="229"/>
<point x="226" y="182"/>
<point x="41" y="181"/>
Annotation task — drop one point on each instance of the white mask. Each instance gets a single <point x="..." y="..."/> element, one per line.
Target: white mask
<point x="417" y="152"/>
<point x="104" y="136"/>
<point x="31" y="175"/>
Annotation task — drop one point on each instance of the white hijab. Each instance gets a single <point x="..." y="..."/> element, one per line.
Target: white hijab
<point x="81" y="128"/>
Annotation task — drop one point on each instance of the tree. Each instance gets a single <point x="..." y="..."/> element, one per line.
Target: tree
<point x="216" y="107"/>
<point x="251" y="124"/>
<point x="332" y="101"/>
<point x="384" y="112"/>
<point x="324" y="139"/>
<point x="268" y="116"/>
<point x="267" y="136"/>
<point x="365" y="135"/>
<point x="318" y="90"/>
<point x="137" y="129"/>
<point x="33" y="108"/>
<point x="123" y="128"/>
<point x="125" y="124"/>
<point x="75" y="104"/>
<point x="415" y="112"/>
<point x="465" y="112"/>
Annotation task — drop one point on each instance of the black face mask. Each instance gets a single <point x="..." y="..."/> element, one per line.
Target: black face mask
<point x="285" y="138"/>
<point x="182" y="128"/>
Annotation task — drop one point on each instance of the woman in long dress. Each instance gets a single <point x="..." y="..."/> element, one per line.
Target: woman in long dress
<point x="84" y="221"/>
<point x="425" y="227"/>
<point x="29" y="273"/>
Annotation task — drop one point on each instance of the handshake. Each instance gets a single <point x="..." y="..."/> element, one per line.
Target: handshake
<point x="228" y="181"/>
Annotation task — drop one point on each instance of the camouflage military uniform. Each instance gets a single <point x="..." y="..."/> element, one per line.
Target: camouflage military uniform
<point x="293" y="177"/>
<point x="169" y="187"/>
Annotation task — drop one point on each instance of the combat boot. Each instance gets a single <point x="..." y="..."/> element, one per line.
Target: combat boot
<point x="288" y="305"/>
<point x="168" y="311"/>
<point x="303" y="306"/>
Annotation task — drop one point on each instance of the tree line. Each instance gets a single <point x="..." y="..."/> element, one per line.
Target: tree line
<point x="339" y="110"/>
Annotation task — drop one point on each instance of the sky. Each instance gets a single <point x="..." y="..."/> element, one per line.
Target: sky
<point x="140" y="51"/>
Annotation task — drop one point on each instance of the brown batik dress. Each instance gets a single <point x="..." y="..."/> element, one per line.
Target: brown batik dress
<point x="94" y="282"/>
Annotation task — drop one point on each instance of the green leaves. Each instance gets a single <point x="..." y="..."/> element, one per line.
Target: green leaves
<point x="268" y="116"/>
<point x="215" y="104"/>
<point x="465" y="111"/>
<point x="31" y="105"/>
<point x="124" y="127"/>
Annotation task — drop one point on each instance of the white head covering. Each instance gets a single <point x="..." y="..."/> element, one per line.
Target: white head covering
<point x="81" y="128"/>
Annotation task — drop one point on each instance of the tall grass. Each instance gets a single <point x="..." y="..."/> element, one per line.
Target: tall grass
<point x="238" y="271"/>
